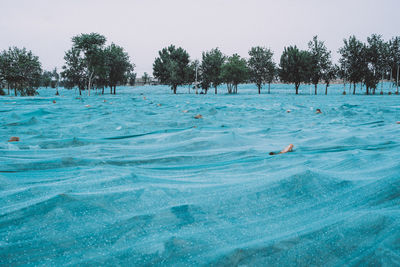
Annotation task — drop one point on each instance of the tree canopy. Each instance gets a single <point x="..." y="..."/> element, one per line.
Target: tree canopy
<point x="234" y="71"/>
<point x="21" y="69"/>
<point x="320" y="61"/>
<point x="261" y="66"/>
<point x="172" y="66"/>
<point x="295" y="66"/>
<point x="118" y="65"/>
<point x="90" y="63"/>
<point x="211" y="67"/>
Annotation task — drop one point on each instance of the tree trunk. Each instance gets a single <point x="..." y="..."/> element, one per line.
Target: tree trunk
<point x="102" y="91"/>
<point x="110" y="89"/>
<point x="373" y="90"/>
<point x="367" y="90"/>
<point x="8" y="86"/>
<point x="326" y="89"/>
<point x="80" y="91"/>
<point x="15" y="91"/>
<point x="269" y="88"/>
<point x="215" y="89"/>
<point x="297" y="88"/>
<point x="259" y="89"/>
<point x="174" y="88"/>
<point x="354" y="88"/>
<point x="391" y="78"/>
<point x="316" y="85"/>
<point x="397" y="81"/>
<point x="90" y="82"/>
<point x="114" y="88"/>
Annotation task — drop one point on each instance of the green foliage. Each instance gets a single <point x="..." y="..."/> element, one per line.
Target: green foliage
<point x="353" y="60"/>
<point x="234" y="71"/>
<point x="210" y="69"/>
<point x="172" y="66"/>
<point x="145" y="78"/>
<point x="88" y="50"/>
<point x="117" y="65"/>
<point x="45" y="79"/>
<point x="55" y="78"/>
<point x="375" y="61"/>
<point x="330" y="72"/>
<point x="74" y="71"/>
<point x="261" y="66"/>
<point x="394" y="59"/>
<point x="21" y="70"/>
<point x="131" y="78"/>
<point x="295" y="66"/>
<point x="320" y="61"/>
<point x="88" y="63"/>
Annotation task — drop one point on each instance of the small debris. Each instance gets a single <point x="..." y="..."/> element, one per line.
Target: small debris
<point x="159" y="105"/>
<point x="318" y="111"/>
<point x="288" y="111"/>
<point x="397" y="122"/>
<point x="14" y="139"/>
<point x="88" y="106"/>
<point x="198" y="116"/>
<point x="54" y="102"/>
<point x="184" y="111"/>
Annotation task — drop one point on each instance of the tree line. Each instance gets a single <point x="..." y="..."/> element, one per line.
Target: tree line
<point x="90" y="64"/>
<point x="361" y="63"/>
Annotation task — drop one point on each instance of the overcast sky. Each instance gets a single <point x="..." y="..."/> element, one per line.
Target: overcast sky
<point x="143" y="27"/>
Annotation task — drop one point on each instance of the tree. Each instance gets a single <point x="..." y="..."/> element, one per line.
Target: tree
<point x="55" y="77"/>
<point x="2" y="78"/>
<point x="261" y="66"/>
<point x="353" y="60"/>
<point x="295" y="66"/>
<point x="21" y="70"/>
<point x="145" y="78"/>
<point x="374" y="58"/>
<point x="394" y="61"/>
<point x="131" y="78"/>
<point x="55" y="80"/>
<point x="320" y="60"/>
<point x="330" y="72"/>
<point x="234" y="71"/>
<point x="45" y="79"/>
<point x="118" y="65"/>
<point x="90" y="46"/>
<point x="74" y="70"/>
<point x="171" y="67"/>
<point x="210" y="68"/>
<point x="88" y="63"/>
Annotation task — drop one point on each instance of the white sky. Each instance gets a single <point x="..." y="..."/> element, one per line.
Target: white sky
<point x="143" y="27"/>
